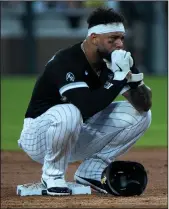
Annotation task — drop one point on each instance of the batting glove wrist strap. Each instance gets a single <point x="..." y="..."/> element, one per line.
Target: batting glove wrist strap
<point x="135" y="78"/>
<point x="119" y="76"/>
<point x="138" y="80"/>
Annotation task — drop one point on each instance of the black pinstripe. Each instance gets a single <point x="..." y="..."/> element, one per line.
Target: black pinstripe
<point x="60" y="165"/>
<point x="51" y="134"/>
<point x="131" y="127"/>
<point x="97" y="150"/>
<point x="93" y="166"/>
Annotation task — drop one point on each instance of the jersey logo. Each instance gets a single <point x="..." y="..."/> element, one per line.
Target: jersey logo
<point x="86" y="73"/>
<point x="70" y="77"/>
<point x="107" y="85"/>
<point x="103" y="180"/>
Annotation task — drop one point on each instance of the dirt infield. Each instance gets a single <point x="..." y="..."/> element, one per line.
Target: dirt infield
<point x="17" y="168"/>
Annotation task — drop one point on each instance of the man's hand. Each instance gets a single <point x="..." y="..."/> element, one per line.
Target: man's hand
<point x="120" y="64"/>
<point x="139" y="95"/>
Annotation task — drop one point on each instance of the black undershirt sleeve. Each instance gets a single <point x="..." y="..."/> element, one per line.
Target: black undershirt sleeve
<point x="76" y="91"/>
<point x="91" y="102"/>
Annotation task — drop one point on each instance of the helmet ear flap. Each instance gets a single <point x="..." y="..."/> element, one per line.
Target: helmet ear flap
<point x="124" y="178"/>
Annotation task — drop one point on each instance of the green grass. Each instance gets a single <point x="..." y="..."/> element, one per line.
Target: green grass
<point x="16" y="92"/>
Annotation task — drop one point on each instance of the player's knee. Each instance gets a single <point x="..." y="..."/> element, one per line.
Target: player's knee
<point x="67" y="114"/>
<point x="73" y="119"/>
<point x="147" y="118"/>
<point x="127" y="120"/>
<point x="145" y="121"/>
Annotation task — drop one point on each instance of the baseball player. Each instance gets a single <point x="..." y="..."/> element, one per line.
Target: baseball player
<point x="71" y="115"/>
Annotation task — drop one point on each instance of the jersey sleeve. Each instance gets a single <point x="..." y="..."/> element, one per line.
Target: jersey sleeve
<point x="66" y="78"/>
<point x="71" y="85"/>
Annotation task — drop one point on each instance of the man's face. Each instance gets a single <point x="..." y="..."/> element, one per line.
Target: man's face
<point x="108" y="42"/>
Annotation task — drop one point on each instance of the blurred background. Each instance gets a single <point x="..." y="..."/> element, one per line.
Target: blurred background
<point x="31" y="32"/>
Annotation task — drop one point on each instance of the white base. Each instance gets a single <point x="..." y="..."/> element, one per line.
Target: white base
<point x="32" y="189"/>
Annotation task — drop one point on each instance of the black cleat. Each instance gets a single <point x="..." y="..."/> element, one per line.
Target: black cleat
<point x="56" y="186"/>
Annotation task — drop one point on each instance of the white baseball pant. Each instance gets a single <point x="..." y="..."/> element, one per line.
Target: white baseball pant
<point x="59" y="136"/>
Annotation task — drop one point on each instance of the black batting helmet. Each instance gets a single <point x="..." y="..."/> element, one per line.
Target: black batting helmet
<point x="124" y="178"/>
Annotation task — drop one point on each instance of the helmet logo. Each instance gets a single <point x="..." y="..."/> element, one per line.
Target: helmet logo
<point x="103" y="180"/>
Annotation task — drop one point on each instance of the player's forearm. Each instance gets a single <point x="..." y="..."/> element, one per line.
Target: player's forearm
<point x="89" y="103"/>
<point x="140" y="98"/>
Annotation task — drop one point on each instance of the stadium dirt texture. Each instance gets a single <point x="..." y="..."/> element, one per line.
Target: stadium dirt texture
<point x="18" y="168"/>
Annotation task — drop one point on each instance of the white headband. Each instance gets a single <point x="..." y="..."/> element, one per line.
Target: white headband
<point x="108" y="28"/>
